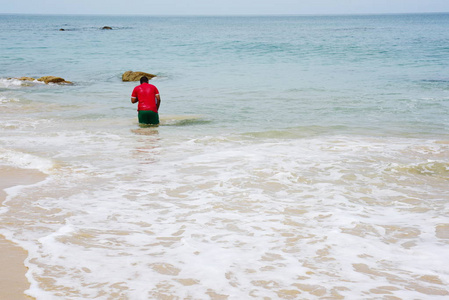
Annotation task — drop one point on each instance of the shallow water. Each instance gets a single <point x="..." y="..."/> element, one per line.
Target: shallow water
<point x="297" y="157"/>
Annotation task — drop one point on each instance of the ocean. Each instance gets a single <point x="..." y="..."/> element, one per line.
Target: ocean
<point x="298" y="157"/>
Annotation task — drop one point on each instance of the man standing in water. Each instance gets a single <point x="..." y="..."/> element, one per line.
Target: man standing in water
<point x="149" y="101"/>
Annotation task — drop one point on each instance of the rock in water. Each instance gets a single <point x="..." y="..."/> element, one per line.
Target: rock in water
<point x="135" y="76"/>
<point x="26" y="78"/>
<point x="106" y="28"/>
<point x="53" y="79"/>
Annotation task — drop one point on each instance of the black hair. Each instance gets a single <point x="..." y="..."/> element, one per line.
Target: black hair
<point x="143" y="79"/>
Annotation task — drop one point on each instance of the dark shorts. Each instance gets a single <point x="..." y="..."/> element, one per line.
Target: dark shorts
<point x="148" y="117"/>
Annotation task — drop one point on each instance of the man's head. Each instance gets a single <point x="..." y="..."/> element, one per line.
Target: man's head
<point x="143" y="79"/>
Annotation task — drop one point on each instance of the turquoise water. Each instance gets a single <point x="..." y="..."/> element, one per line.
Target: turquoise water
<point x="382" y="72"/>
<point x="298" y="157"/>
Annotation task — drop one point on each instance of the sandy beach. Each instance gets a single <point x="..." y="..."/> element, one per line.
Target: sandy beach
<point x="13" y="282"/>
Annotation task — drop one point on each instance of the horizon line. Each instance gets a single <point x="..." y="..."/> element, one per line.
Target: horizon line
<point x="228" y="15"/>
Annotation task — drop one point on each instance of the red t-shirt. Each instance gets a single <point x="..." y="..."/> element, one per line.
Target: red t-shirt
<point x="146" y="95"/>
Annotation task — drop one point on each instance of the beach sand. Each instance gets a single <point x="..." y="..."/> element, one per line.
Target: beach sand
<point x="13" y="282"/>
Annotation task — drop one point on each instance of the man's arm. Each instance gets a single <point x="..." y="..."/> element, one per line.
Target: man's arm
<point x="158" y="101"/>
<point x="134" y="96"/>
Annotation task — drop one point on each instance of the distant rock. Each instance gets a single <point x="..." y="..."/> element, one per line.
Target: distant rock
<point x="53" y="79"/>
<point x="135" y="76"/>
<point x="106" y="28"/>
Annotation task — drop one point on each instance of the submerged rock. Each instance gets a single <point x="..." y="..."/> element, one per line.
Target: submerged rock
<point x="44" y="79"/>
<point x="26" y="78"/>
<point x="135" y="76"/>
<point x="53" y="79"/>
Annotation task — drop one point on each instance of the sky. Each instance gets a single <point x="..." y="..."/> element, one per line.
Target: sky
<point x="222" y="7"/>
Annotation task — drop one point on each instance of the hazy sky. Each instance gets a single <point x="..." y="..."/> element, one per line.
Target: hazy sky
<point x="220" y="7"/>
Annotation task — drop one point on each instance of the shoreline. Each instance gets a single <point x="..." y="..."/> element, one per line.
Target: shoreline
<point x="13" y="282"/>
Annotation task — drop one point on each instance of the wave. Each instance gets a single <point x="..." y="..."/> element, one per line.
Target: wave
<point x="430" y="168"/>
<point x="436" y="80"/>
<point x="25" y="160"/>
<point x="4" y="100"/>
<point x="16" y="83"/>
<point x="300" y="132"/>
<point x="183" y="120"/>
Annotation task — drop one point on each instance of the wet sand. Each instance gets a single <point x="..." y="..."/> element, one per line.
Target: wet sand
<point x="13" y="282"/>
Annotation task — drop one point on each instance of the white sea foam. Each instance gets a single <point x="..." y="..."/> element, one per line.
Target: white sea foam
<point x="4" y="99"/>
<point x="236" y="217"/>
<point x="25" y="160"/>
<point x="13" y="83"/>
<point x="6" y="83"/>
